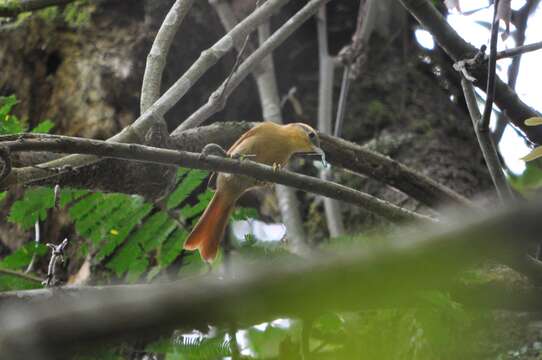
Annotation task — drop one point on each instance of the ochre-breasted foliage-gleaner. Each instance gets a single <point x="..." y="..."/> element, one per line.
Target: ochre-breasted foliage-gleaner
<point x="267" y="143"/>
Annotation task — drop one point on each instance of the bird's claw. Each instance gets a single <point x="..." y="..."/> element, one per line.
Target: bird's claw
<point x="212" y="149"/>
<point x="276" y="167"/>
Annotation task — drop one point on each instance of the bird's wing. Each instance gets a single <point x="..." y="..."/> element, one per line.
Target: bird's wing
<point x="252" y="132"/>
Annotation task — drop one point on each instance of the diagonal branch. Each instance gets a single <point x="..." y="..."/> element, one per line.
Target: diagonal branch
<point x="457" y="48"/>
<point x="156" y="60"/>
<point x="64" y="144"/>
<point x="135" y="133"/>
<point x="489" y="151"/>
<point x="213" y="105"/>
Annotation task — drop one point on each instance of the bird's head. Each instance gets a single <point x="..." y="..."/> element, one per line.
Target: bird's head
<point x="305" y="140"/>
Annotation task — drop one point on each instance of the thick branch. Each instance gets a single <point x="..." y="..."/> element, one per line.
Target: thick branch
<point x="351" y="281"/>
<point x="156" y="60"/>
<point x="458" y="49"/>
<point x="63" y="144"/>
<point x="339" y="153"/>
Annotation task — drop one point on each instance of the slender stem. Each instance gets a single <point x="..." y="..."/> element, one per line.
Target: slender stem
<point x="341" y="106"/>
<point x="520" y="50"/>
<point x="491" y="68"/>
<point x="489" y="151"/>
<point x="332" y="209"/>
<point x="21" y="275"/>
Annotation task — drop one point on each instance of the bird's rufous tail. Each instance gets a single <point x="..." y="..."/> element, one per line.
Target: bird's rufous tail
<point x="209" y="230"/>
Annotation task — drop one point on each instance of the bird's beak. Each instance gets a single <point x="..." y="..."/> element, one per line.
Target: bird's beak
<point x="322" y="155"/>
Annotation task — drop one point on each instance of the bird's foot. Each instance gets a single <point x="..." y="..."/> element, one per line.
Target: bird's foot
<point x="212" y="149"/>
<point x="276" y="167"/>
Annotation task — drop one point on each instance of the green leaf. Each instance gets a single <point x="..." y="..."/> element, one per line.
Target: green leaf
<point x="534" y="154"/>
<point x="31" y="207"/>
<point x="122" y="230"/>
<point x="534" y="121"/>
<point x="172" y="247"/>
<point x="23" y="255"/>
<point x="6" y="105"/>
<point x="44" y="127"/>
<point x="10" y="283"/>
<point x="190" y="182"/>
<point x="243" y="213"/>
<point x="189" y="211"/>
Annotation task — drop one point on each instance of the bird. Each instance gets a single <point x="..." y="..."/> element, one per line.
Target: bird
<point x="268" y="143"/>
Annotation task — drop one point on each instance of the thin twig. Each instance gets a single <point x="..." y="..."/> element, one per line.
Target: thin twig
<point x="490" y="89"/>
<point x="489" y="151"/>
<point x="234" y="69"/>
<point x="20" y="275"/>
<point x="30" y="267"/>
<point x="520" y="50"/>
<point x="216" y="163"/>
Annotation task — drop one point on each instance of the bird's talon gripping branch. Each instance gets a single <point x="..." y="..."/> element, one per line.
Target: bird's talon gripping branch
<point x="276" y="167"/>
<point x="212" y="149"/>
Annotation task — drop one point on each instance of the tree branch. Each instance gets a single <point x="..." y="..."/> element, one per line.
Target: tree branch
<point x="332" y="209"/>
<point x="348" y="281"/>
<point x="339" y="152"/>
<point x="483" y="122"/>
<point x="458" y="49"/>
<point x="156" y="60"/>
<point x="64" y="144"/>
<point x="489" y="151"/>
<point x="520" y="50"/>
<point x="213" y="105"/>
<point x="136" y="132"/>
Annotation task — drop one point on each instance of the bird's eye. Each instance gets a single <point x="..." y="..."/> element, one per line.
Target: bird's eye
<point x="312" y="135"/>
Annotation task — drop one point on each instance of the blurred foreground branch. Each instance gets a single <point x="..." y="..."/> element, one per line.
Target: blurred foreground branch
<point x="349" y="281"/>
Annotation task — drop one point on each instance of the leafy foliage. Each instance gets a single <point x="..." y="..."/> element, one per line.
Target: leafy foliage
<point x="192" y="347"/>
<point x="11" y="124"/>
